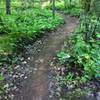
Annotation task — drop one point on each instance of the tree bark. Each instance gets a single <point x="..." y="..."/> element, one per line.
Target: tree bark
<point x="8" y="7"/>
<point x="53" y="8"/>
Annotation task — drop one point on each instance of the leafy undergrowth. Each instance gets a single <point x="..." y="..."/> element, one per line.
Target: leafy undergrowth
<point x="28" y="24"/>
<point x="17" y="30"/>
<point x="74" y="8"/>
<point x="81" y="61"/>
<point x="80" y="57"/>
<point x="73" y="11"/>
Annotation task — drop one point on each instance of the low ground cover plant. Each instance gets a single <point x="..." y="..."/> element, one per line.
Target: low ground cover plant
<point x="81" y="56"/>
<point x="30" y="23"/>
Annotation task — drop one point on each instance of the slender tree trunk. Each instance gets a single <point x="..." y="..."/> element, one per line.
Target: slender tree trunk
<point x="53" y="8"/>
<point x="8" y="7"/>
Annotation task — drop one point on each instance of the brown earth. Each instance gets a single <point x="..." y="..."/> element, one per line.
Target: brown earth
<point x="39" y="86"/>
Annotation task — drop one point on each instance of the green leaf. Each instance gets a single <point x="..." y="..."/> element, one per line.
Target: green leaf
<point x="98" y="35"/>
<point x="97" y="75"/>
<point x="1" y="78"/>
<point x="62" y="54"/>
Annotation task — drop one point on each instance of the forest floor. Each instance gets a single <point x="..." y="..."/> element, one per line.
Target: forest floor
<point x="41" y="85"/>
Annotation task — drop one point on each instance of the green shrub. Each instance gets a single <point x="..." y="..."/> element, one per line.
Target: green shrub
<point x="88" y="56"/>
<point x="74" y="9"/>
<point x="83" y="61"/>
<point x="30" y="23"/>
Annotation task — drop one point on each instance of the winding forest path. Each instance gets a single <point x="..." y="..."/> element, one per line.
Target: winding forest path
<point x="38" y="85"/>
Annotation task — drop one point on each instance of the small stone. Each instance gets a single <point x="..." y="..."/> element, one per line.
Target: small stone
<point x="6" y="86"/>
<point x="41" y="60"/>
<point x="50" y="96"/>
<point x="58" y="94"/>
<point x="54" y="58"/>
<point x="15" y="76"/>
<point x="29" y="58"/>
<point x="22" y="58"/>
<point x="51" y="64"/>
<point x="21" y="75"/>
<point x="35" y="69"/>
<point x="11" y="84"/>
<point x="14" y="87"/>
<point x="17" y="67"/>
<point x="59" y="89"/>
<point x="36" y="61"/>
<point x="11" y="96"/>
<point x="5" y="97"/>
<point x="25" y="77"/>
<point x="70" y="87"/>
<point x="59" y="69"/>
<point x="24" y="62"/>
<point x="39" y="50"/>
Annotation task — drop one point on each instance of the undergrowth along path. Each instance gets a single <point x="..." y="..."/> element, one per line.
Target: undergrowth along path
<point x="40" y="85"/>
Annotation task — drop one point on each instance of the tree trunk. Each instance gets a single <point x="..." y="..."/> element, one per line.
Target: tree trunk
<point x="53" y="8"/>
<point x="8" y="7"/>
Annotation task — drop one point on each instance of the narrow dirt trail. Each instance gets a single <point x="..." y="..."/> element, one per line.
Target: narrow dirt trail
<point x="38" y="85"/>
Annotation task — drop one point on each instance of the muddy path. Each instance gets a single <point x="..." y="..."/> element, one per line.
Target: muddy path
<point x="39" y="86"/>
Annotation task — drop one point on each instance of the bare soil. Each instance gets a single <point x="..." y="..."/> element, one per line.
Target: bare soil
<point x="40" y="85"/>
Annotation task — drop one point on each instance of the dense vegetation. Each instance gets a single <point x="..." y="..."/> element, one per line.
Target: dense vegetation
<point x="73" y="7"/>
<point x="23" y="22"/>
<point x="81" y="53"/>
<point x="27" y="24"/>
